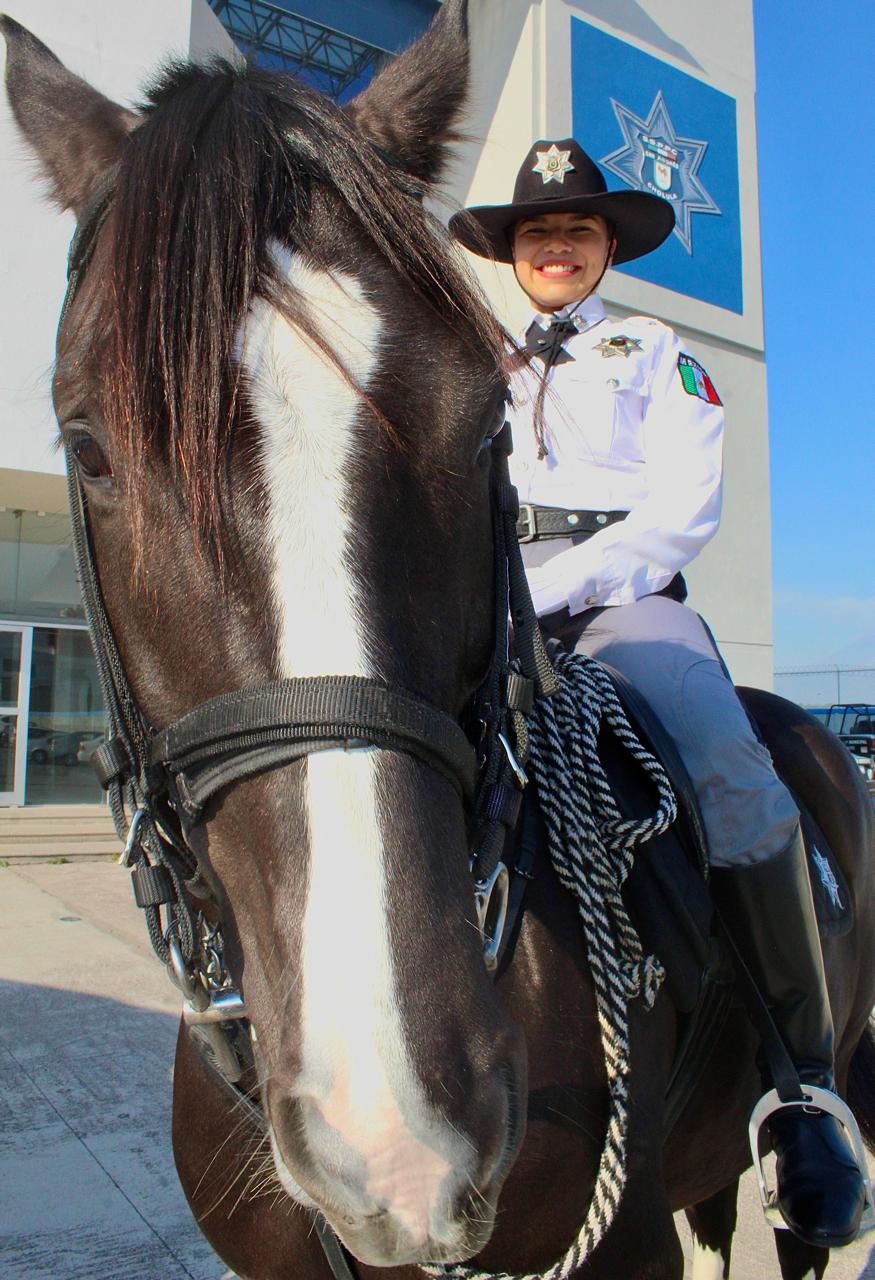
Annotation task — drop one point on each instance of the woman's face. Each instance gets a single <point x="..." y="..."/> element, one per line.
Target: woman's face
<point x="559" y="257"/>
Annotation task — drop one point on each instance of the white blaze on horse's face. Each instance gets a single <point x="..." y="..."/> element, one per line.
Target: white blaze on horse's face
<point x="367" y="1116"/>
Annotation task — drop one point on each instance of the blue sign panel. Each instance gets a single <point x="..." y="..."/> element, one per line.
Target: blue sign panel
<point x="655" y="129"/>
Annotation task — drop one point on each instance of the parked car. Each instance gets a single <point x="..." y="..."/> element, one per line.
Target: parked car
<point x="63" y="748"/>
<point x="50" y="746"/>
<point x="38" y="744"/>
<point x="88" y="744"/>
<point x="854" y="723"/>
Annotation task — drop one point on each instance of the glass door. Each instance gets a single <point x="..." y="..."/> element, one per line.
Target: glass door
<point x="65" y="718"/>
<point x="16" y="645"/>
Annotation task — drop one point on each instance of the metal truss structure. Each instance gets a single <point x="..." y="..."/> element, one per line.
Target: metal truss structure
<point x="332" y="61"/>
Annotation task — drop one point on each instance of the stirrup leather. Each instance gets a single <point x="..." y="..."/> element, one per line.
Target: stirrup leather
<point x="823" y="1100"/>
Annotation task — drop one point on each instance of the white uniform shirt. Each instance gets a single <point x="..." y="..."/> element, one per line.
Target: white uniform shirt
<point x="634" y="432"/>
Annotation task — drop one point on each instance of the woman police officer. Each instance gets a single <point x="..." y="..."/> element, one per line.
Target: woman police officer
<point x="618" y="463"/>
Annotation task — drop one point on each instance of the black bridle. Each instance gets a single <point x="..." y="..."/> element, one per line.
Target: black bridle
<point x="159" y="780"/>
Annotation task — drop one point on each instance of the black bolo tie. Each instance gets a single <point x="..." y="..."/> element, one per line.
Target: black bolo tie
<point x="548" y="344"/>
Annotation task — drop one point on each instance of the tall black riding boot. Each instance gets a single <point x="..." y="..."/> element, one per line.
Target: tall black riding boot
<point x="768" y="910"/>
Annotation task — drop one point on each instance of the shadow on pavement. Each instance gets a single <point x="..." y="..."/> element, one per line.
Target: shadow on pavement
<point x="89" y="1186"/>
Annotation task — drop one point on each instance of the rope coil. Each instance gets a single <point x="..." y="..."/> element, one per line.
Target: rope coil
<point x="592" y="847"/>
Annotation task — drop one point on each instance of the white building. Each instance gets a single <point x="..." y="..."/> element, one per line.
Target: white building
<point x="557" y="68"/>
<point x="50" y="699"/>
<point x="657" y="91"/>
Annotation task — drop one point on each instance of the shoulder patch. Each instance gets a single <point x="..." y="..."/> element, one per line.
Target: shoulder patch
<point x="696" y="381"/>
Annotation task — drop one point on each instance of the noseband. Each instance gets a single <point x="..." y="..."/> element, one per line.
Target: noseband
<point x="159" y="780"/>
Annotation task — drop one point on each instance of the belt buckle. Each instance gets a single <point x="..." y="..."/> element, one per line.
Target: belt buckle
<point x="526" y="525"/>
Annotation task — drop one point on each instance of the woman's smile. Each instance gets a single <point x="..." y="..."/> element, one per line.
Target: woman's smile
<point x="558" y="268"/>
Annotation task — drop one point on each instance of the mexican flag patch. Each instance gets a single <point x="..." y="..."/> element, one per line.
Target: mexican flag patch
<point x="696" y="381"/>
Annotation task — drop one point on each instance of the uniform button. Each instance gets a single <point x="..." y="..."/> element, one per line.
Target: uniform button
<point x="573" y="519"/>
<point x="591" y="600"/>
<point x="613" y="383"/>
<point x="601" y="519"/>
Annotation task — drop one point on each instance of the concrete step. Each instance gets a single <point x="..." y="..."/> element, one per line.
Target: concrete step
<point x="36" y="812"/>
<point x="40" y="833"/>
<point x="71" y="851"/>
<point x="54" y="828"/>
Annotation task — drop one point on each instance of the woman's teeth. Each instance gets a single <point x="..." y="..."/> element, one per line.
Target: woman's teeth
<point x="558" y="269"/>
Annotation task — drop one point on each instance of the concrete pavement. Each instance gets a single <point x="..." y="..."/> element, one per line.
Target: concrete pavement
<point x="87" y="1029"/>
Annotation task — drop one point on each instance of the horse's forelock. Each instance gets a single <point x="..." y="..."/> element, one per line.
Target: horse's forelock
<point x="226" y="160"/>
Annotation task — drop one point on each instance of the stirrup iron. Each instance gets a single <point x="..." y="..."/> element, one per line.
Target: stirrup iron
<point x="822" y="1100"/>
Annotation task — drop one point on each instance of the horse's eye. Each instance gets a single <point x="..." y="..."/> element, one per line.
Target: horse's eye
<point x="90" y="458"/>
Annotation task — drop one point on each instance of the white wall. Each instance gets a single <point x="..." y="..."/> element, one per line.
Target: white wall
<point x="115" y="45"/>
<point x="522" y="91"/>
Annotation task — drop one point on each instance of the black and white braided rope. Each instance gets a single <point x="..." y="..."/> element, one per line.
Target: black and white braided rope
<point x="592" y="847"/>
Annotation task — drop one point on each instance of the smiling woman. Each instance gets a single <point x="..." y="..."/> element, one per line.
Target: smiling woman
<point x="623" y="480"/>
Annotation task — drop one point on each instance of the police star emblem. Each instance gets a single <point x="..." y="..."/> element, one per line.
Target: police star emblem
<point x="619" y="345"/>
<point x="553" y="164"/>
<point x="654" y="158"/>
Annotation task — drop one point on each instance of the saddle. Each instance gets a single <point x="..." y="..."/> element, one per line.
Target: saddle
<point x="666" y="893"/>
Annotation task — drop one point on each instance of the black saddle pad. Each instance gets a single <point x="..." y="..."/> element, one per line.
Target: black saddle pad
<point x="666" y="892"/>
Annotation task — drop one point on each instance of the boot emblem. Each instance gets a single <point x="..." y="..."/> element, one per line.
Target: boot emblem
<point x="827" y="877"/>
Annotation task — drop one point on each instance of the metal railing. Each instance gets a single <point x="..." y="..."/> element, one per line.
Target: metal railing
<point x="826" y="684"/>
<point x="276" y="38"/>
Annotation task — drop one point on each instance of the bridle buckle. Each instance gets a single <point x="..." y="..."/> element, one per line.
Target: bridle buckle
<point x="526" y="525"/>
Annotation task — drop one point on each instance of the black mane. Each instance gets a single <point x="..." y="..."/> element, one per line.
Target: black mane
<point x="226" y="159"/>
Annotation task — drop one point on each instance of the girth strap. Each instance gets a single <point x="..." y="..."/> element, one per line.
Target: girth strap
<point x="244" y="732"/>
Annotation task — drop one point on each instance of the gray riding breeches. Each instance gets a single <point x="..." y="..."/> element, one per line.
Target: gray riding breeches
<point x="665" y="650"/>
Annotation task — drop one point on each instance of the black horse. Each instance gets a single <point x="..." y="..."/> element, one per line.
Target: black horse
<point x="277" y="390"/>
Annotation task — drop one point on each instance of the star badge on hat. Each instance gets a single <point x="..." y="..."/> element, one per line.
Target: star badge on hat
<point x="619" y="345"/>
<point x="553" y="165"/>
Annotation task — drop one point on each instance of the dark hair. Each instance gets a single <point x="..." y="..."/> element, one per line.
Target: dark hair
<point x="226" y="159"/>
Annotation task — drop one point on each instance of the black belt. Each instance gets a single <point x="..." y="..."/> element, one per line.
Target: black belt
<point x="537" y="523"/>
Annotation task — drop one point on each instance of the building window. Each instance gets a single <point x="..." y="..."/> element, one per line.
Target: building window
<point x="37" y="569"/>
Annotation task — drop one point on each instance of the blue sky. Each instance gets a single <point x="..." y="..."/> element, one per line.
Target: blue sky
<point x="816" y="131"/>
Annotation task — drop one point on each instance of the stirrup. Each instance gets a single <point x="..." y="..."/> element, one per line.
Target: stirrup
<point x="823" y="1100"/>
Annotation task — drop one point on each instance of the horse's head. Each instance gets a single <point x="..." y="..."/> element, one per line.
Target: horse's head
<point x="278" y="392"/>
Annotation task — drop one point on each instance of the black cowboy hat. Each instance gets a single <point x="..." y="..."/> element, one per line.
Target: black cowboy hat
<point x="559" y="177"/>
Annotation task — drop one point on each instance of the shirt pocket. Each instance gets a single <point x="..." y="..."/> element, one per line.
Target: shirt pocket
<point x="603" y="411"/>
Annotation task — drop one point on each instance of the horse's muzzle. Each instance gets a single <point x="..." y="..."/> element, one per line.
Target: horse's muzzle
<point x="401" y="1187"/>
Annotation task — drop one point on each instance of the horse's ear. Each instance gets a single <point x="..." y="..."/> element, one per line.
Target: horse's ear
<point x="409" y="109"/>
<point x="75" y="132"/>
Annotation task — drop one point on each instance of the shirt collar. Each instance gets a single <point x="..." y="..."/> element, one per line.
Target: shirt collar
<point x="585" y="314"/>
